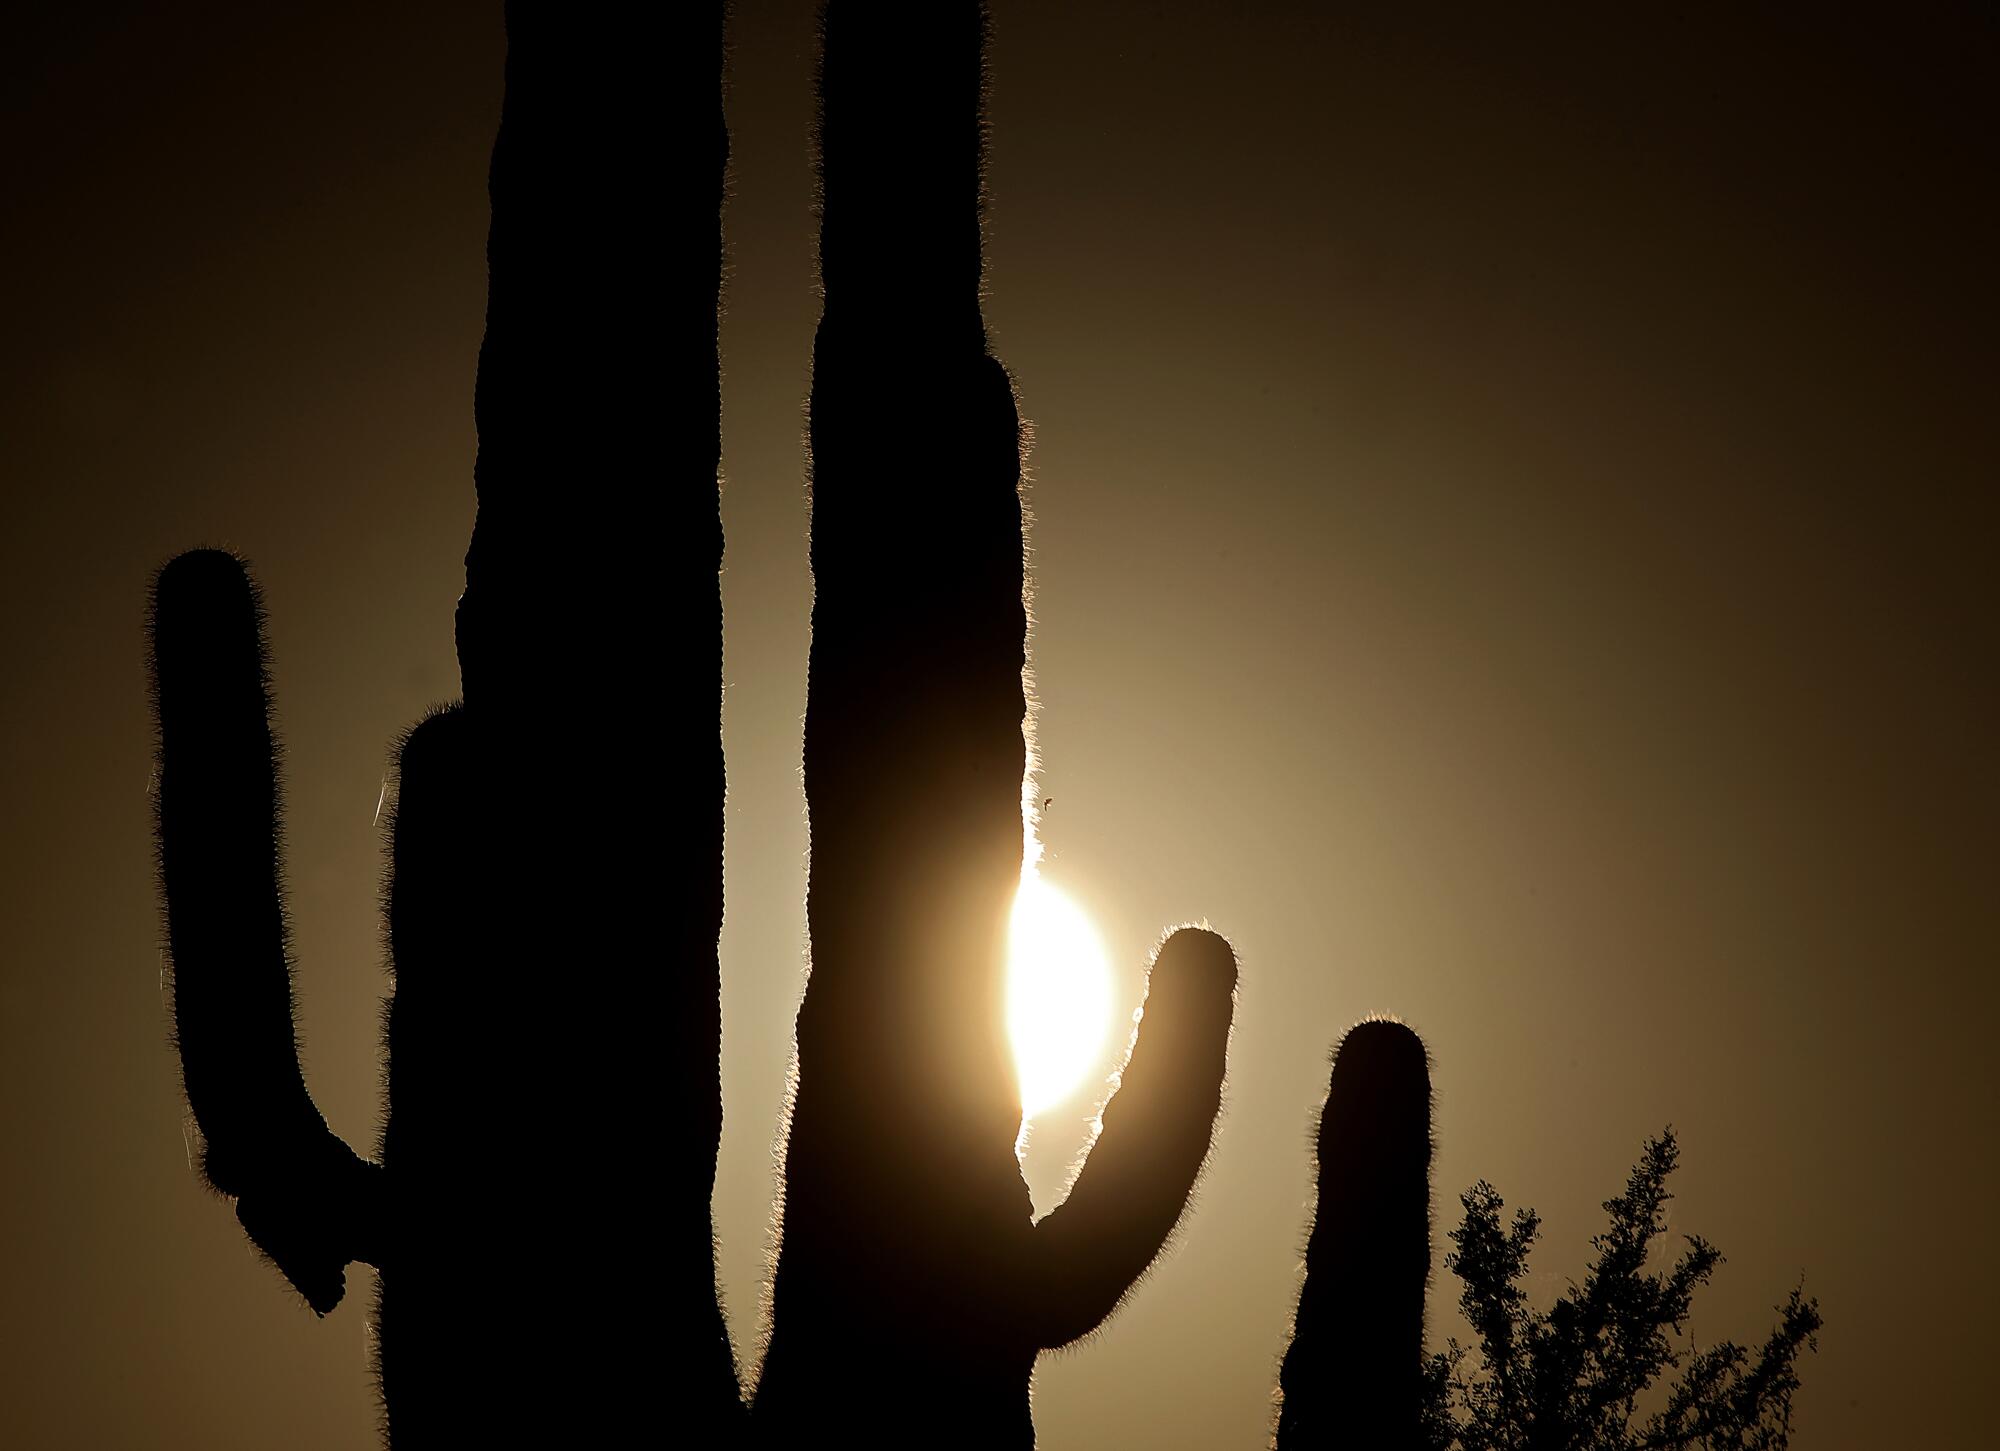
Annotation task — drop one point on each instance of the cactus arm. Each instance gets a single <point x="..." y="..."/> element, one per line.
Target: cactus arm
<point x="1352" y="1375"/>
<point x="1139" y="1175"/>
<point x="301" y="1194"/>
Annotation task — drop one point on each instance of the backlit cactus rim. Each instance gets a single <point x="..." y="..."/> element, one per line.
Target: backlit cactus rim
<point x="539" y="1208"/>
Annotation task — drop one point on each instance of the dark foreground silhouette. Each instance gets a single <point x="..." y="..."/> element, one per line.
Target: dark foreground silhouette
<point x="539" y="1210"/>
<point x="1571" y="1379"/>
<point x="1352" y="1374"/>
<point x="540" y="1214"/>
<point x="907" y="1236"/>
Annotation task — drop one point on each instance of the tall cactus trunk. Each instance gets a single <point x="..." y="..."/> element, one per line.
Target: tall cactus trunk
<point x="1352" y="1377"/>
<point x="900" y="1154"/>
<point x="590" y="640"/>
<point x="540" y="1218"/>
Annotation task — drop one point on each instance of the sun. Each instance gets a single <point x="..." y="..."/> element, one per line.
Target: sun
<point x="1058" y="994"/>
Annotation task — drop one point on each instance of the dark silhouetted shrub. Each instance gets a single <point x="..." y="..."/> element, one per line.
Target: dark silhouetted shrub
<point x="1582" y="1376"/>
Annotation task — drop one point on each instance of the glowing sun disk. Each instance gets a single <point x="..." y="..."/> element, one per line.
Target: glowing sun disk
<point x="1058" y="994"/>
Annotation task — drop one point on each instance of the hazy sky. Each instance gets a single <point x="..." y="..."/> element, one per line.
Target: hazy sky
<point x="1554" y="452"/>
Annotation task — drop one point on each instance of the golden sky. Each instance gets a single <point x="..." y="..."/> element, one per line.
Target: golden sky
<point x="1513" y="548"/>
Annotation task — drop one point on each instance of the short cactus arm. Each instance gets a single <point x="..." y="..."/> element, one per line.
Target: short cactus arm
<point x="302" y="1194"/>
<point x="1352" y="1375"/>
<point x="1134" y="1186"/>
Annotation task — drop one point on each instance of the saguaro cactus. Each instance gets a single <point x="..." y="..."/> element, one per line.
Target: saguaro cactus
<point x="908" y="1239"/>
<point x="540" y="1212"/>
<point x="553" y="1041"/>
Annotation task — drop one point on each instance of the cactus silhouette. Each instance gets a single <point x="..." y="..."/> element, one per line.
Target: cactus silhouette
<point x="908" y="1238"/>
<point x="554" y="1103"/>
<point x="1352" y="1376"/>
<point x="555" y="892"/>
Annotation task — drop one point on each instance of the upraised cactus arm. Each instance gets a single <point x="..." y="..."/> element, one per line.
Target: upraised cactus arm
<point x="305" y="1198"/>
<point x="1097" y="1243"/>
<point x="908" y="1239"/>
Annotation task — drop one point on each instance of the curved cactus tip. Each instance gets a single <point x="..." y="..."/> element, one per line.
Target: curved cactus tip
<point x="1380" y="1089"/>
<point x="206" y="643"/>
<point x="202" y="576"/>
<point x="1195" y="962"/>
<point x="201" y="601"/>
<point x="1382" y="1046"/>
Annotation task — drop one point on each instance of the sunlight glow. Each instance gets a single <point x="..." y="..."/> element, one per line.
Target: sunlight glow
<point x="1058" y="994"/>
